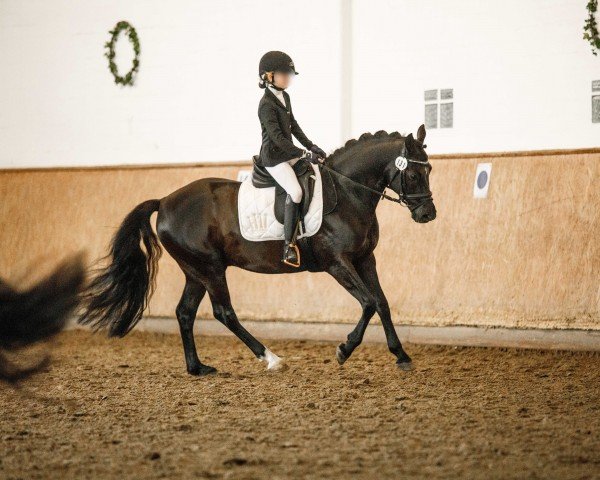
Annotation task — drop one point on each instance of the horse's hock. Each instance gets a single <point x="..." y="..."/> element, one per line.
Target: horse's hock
<point x="526" y="256"/>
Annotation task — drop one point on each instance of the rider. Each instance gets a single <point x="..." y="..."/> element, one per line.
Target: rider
<point x="278" y="152"/>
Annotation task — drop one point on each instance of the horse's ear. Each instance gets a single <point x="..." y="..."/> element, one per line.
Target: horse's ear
<point x="409" y="143"/>
<point x="421" y="133"/>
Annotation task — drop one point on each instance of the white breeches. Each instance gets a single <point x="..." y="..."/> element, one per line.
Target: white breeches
<point x="284" y="175"/>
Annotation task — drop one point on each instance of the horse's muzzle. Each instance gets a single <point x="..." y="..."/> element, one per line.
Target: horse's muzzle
<point x="425" y="213"/>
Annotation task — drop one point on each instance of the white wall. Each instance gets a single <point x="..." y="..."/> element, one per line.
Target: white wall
<point x="196" y="95"/>
<point x="520" y="71"/>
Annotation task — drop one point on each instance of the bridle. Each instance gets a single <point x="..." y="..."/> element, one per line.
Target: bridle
<point x="403" y="198"/>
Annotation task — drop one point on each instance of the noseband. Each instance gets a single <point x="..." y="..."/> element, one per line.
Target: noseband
<point x="403" y="197"/>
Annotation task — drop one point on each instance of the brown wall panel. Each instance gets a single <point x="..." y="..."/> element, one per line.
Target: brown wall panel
<point x="527" y="256"/>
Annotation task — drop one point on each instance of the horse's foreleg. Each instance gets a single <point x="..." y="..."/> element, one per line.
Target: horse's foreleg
<point x="224" y="313"/>
<point x="347" y="276"/>
<point x="186" y="315"/>
<point x="368" y="273"/>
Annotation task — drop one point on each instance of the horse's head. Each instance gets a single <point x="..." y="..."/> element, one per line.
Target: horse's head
<point x="411" y="178"/>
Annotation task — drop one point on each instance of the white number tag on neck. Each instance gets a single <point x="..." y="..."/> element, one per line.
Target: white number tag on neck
<point x="401" y="163"/>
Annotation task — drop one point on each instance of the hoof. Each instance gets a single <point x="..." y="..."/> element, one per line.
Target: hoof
<point x="202" y="370"/>
<point x="340" y="356"/>
<point x="405" y="366"/>
<point x="274" y="363"/>
<point x="278" y="367"/>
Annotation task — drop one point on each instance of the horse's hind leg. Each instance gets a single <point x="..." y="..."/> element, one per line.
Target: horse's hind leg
<point x="186" y="315"/>
<point x="224" y="313"/>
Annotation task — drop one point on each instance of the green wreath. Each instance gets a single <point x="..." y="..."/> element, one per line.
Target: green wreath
<point x="110" y="54"/>
<point x="590" y="29"/>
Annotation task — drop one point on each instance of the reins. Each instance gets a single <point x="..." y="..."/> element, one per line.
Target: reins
<point x="402" y="197"/>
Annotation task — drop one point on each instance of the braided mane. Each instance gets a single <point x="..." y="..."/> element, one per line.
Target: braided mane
<point x="364" y="138"/>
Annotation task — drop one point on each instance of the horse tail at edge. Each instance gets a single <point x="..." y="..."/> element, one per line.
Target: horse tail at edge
<point x="119" y="292"/>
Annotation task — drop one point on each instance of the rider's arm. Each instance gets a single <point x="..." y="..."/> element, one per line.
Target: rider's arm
<point x="299" y="134"/>
<point x="268" y="117"/>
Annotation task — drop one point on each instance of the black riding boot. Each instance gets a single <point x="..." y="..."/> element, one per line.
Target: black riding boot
<point x="291" y="214"/>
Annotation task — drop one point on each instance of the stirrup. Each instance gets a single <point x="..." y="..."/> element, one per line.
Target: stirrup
<point x="297" y="250"/>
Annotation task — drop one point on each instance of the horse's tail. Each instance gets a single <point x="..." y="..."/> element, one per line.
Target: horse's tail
<point x="119" y="293"/>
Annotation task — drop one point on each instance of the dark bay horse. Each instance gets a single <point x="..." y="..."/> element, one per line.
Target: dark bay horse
<point x="198" y="226"/>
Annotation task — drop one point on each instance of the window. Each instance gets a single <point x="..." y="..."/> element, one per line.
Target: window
<point x="442" y="109"/>
<point x="596" y="101"/>
<point x="431" y="109"/>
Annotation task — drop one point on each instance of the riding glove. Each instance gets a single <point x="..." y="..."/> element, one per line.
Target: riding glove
<point x="319" y="151"/>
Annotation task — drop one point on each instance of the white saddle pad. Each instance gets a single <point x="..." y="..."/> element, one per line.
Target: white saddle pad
<point x="256" y="211"/>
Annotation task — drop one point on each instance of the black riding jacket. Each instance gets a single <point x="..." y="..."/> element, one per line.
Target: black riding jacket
<point x="278" y="124"/>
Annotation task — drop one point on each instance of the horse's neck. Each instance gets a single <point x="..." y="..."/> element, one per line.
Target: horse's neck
<point x="363" y="171"/>
<point x="366" y="170"/>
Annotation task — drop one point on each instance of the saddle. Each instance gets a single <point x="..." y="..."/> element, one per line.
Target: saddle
<point x="261" y="178"/>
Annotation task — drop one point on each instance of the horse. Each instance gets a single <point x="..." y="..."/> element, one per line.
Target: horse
<point x="37" y="313"/>
<point x="198" y="226"/>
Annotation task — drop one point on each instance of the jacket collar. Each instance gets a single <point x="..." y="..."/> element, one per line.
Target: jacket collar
<point x="269" y="94"/>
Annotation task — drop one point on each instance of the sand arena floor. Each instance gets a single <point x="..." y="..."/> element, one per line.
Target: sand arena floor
<point x="127" y="409"/>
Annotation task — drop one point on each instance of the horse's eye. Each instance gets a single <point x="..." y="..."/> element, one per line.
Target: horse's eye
<point x="412" y="175"/>
<point x="424" y="146"/>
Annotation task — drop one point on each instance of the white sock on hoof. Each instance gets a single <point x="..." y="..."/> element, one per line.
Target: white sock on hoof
<point x="273" y="361"/>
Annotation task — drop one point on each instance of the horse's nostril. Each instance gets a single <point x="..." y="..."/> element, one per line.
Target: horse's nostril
<point x="427" y="217"/>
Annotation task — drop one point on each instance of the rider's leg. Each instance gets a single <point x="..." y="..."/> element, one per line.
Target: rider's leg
<point x="285" y="176"/>
<point x="291" y="214"/>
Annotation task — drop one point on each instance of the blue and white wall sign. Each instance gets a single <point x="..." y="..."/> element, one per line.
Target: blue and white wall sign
<point x="482" y="180"/>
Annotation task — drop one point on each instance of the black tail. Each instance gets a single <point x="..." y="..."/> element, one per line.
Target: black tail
<point x="37" y="313"/>
<point x="119" y="293"/>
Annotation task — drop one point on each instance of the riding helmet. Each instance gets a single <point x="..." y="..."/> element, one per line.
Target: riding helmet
<point x="275" y="61"/>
